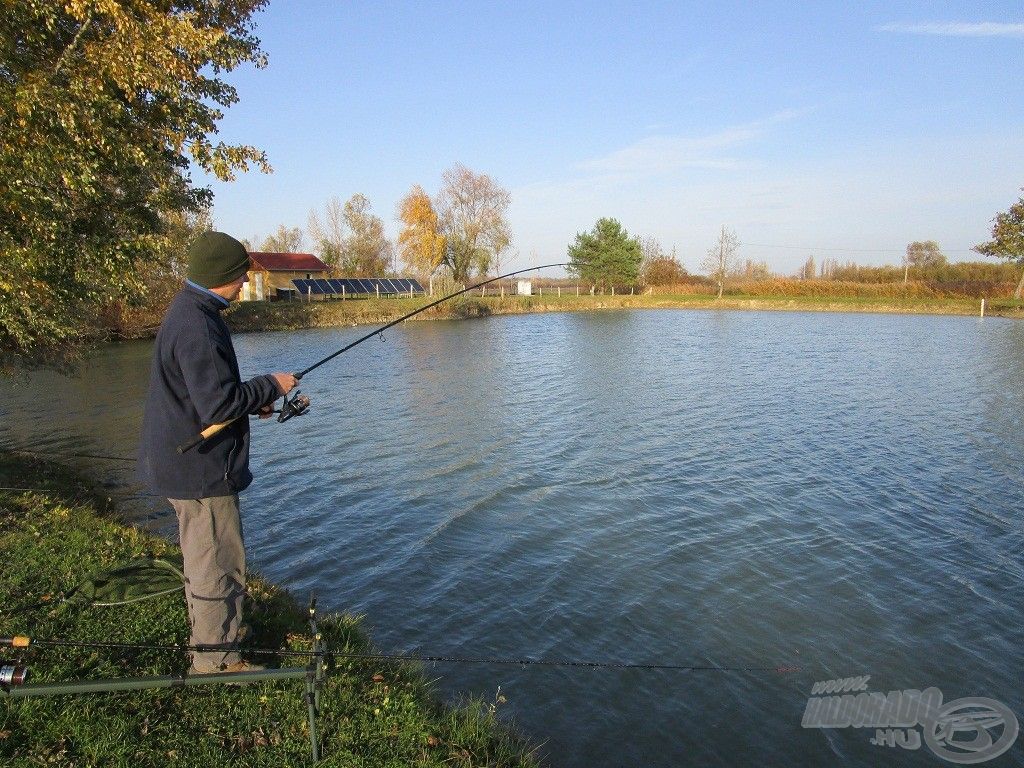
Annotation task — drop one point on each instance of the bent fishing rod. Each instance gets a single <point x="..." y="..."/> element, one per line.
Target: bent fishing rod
<point x="298" y="404"/>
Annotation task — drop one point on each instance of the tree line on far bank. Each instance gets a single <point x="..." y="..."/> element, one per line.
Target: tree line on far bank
<point x="463" y="231"/>
<point x="108" y="108"/>
<point x="608" y="255"/>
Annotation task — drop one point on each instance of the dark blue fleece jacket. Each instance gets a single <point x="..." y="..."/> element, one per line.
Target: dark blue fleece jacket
<point x="194" y="382"/>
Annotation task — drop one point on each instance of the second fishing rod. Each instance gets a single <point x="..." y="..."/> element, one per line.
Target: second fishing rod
<point x="298" y="404"/>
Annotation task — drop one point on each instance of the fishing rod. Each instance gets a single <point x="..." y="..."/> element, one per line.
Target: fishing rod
<point x="322" y="650"/>
<point x="298" y="404"/>
<point x="14" y="676"/>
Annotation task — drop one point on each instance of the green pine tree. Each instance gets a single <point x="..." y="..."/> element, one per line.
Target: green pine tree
<point x="606" y="255"/>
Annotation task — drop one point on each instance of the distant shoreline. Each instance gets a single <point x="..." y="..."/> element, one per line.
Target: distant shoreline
<point x="252" y="317"/>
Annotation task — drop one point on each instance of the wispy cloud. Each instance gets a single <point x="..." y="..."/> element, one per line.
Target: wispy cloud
<point x="659" y="154"/>
<point x="956" y="29"/>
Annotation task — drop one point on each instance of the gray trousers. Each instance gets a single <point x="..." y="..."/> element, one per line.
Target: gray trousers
<point x="211" y="544"/>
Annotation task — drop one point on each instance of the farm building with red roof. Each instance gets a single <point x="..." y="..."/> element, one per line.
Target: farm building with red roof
<point x="271" y="271"/>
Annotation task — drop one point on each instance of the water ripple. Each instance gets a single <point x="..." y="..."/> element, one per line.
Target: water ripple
<point x="835" y="492"/>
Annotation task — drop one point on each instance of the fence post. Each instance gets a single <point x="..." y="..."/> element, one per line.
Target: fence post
<point x="613" y="290"/>
<point x="342" y="291"/>
<point x="559" y="291"/>
<point x="377" y="286"/>
<point x="577" y="289"/>
<point x="982" y="307"/>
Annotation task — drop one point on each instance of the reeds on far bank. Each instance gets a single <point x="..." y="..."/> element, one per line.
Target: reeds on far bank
<point x="792" y="295"/>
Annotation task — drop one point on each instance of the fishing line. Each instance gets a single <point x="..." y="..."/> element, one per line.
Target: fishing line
<point x="68" y="455"/>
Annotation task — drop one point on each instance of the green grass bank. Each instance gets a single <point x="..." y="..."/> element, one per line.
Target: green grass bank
<point x="279" y="316"/>
<point x="373" y="713"/>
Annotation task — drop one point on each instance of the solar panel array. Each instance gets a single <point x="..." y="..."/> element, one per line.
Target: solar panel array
<point x="359" y="286"/>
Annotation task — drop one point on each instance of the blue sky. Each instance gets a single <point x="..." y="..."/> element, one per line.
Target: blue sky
<point x="804" y="127"/>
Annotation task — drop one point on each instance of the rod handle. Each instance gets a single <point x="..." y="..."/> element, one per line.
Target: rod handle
<point x="18" y="641"/>
<point x="206" y="434"/>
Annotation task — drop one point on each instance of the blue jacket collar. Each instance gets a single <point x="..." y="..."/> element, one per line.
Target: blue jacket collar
<point x="223" y="303"/>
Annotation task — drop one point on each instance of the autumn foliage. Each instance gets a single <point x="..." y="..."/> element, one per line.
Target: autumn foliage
<point x="103" y="107"/>
<point x="420" y="244"/>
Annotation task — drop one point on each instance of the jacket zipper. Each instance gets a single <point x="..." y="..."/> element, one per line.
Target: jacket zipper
<point x="227" y="461"/>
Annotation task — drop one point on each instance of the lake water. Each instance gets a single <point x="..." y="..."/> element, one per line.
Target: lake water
<point x="835" y="492"/>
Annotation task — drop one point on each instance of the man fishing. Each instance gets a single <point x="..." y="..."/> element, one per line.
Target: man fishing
<point x="194" y="382"/>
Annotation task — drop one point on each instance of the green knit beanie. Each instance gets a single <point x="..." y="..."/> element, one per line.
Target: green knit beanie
<point x="216" y="259"/>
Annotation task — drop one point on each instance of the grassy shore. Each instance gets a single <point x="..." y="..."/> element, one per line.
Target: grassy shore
<point x="265" y="316"/>
<point x="374" y="713"/>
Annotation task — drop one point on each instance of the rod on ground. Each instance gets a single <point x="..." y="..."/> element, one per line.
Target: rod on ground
<point x="30" y="690"/>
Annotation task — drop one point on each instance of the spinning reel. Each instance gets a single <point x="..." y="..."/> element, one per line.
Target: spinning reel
<point x="297" y="405"/>
<point x="12" y="675"/>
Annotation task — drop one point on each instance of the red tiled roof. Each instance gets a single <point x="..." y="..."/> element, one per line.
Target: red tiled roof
<point x="287" y="262"/>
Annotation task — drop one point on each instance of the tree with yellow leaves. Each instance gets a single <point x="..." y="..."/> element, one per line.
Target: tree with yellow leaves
<point x="420" y="243"/>
<point x="104" y="105"/>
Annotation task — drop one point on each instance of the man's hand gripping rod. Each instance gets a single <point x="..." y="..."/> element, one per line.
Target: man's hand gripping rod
<point x="298" y="405"/>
